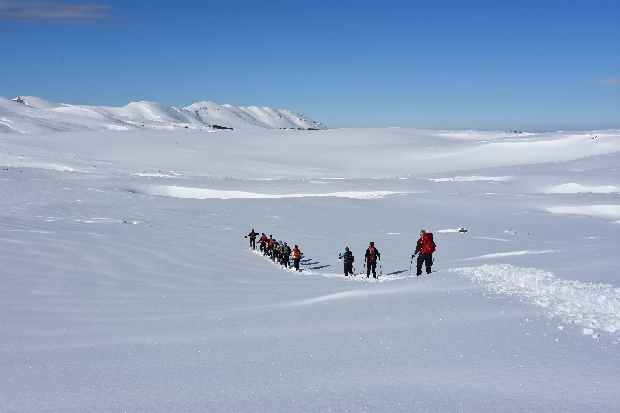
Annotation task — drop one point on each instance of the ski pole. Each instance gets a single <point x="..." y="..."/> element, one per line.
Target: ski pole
<point x="410" y="264"/>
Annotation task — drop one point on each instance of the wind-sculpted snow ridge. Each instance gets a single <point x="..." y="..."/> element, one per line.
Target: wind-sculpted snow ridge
<point x="203" y="193"/>
<point x="30" y="114"/>
<point x="308" y="267"/>
<point x="597" y="211"/>
<point x="597" y="306"/>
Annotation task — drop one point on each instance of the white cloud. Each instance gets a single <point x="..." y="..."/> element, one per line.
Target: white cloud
<point x="54" y="12"/>
<point x="608" y="81"/>
<point x="7" y="29"/>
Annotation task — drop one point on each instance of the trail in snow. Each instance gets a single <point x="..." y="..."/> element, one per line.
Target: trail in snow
<point x="359" y="275"/>
<point x="596" y="306"/>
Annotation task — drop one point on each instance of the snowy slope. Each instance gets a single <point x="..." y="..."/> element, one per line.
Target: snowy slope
<point x="127" y="284"/>
<point x="29" y="114"/>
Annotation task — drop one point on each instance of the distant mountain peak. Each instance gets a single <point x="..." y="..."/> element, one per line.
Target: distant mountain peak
<point x="37" y="115"/>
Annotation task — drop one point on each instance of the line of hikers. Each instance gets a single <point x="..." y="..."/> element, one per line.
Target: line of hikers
<point x="278" y="251"/>
<point x="281" y="252"/>
<point x="371" y="257"/>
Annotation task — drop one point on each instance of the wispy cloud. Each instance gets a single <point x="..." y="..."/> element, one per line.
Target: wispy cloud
<point x="55" y="12"/>
<point x="608" y="81"/>
<point x="7" y="29"/>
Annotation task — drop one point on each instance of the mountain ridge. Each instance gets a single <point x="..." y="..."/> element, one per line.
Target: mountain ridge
<point x="31" y="114"/>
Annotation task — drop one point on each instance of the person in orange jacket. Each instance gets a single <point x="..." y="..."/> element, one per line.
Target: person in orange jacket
<point x="270" y="244"/>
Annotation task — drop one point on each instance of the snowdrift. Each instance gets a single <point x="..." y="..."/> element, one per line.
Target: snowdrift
<point x="593" y="305"/>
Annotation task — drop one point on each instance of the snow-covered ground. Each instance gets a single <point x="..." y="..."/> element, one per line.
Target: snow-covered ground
<point x="127" y="284"/>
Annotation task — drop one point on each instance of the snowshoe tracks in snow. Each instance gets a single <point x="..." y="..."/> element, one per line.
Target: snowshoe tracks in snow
<point x="596" y="306"/>
<point x="398" y="275"/>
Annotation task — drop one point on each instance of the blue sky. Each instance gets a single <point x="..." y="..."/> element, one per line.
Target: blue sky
<point x="476" y="64"/>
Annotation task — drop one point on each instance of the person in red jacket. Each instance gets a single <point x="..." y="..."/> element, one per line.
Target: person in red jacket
<point x="270" y="244"/>
<point x="296" y="257"/>
<point x="263" y="243"/>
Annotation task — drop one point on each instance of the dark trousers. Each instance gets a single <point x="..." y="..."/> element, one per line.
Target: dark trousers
<point x="348" y="268"/>
<point x="296" y="263"/>
<point x="263" y="247"/>
<point x="285" y="261"/>
<point x="371" y="265"/>
<point x="253" y="243"/>
<point x="426" y="259"/>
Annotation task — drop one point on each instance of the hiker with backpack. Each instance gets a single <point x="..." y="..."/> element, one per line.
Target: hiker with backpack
<point x="252" y="236"/>
<point x="279" y="251"/>
<point x="371" y="257"/>
<point x="270" y="243"/>
<point x="348" y="258"/>
<point x="286" y="255"/>
<point x="263" y="243"/>
<point x="276" y="251"/>
<point x="425" y="247"/>
<point x="296" y="257"/>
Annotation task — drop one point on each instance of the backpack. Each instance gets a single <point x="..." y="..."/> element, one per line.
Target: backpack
<point x="372" y="256"/>
<point x="428" y="245"/>
<point x="348" y="257"/>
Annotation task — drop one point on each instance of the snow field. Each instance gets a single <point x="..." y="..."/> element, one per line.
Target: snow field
<point x="115" y="298"/>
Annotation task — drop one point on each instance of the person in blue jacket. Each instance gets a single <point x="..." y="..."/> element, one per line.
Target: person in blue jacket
<point x="347" y="258"/>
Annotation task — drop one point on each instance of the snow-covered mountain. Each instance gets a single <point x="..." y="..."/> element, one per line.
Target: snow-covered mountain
<point x="30" y="114"/>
